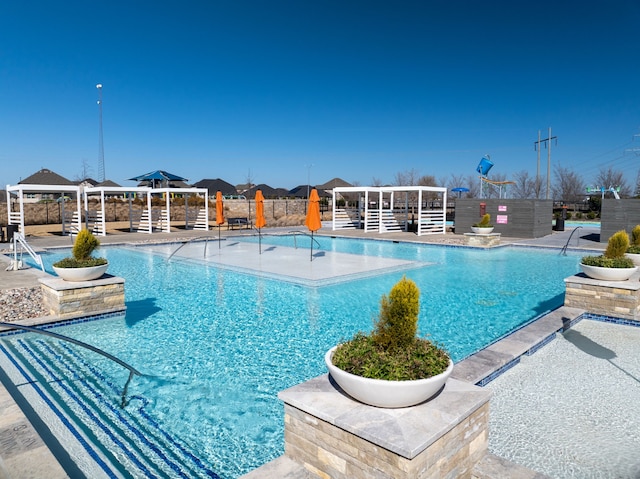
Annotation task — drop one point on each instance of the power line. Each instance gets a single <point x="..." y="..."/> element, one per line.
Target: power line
<point x="536" y="145"/>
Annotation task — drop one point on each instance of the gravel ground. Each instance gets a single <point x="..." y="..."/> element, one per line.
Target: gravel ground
<point x="21" y="303"/>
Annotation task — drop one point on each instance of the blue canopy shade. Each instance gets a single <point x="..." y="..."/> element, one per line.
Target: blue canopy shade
<point x="459" y="189"/>
<point x="158" y="175"/>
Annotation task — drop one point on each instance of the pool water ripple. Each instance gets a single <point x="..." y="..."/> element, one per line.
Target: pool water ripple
<point x="220" y="344"/>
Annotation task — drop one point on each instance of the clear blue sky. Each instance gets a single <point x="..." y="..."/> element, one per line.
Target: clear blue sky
<point x="358" y="89"/>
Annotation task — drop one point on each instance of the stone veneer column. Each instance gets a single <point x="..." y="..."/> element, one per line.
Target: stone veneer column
<point x="334" y="436"/>
<point x="66" y="299"/>
<point x="620" y="299"/>
<point x="485" y="241"/>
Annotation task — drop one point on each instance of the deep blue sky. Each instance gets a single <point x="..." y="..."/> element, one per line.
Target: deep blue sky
<point x="358" y="89"/>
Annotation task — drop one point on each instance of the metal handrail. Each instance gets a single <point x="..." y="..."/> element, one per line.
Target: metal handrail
<point x="184" y="243"/>
<point x="564" y="248"/>
<point x="296" y="233"/>
<point x="131" y="369"/>
<point x="19" y="238"/>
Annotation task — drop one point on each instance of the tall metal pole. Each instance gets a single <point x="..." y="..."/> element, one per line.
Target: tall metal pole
<point x="101" y="175"/>
<point x="549" y="165"/>
<point x="538" y="169"/>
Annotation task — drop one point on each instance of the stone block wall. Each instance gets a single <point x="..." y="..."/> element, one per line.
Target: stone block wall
<point x="66" y="299"/>
<point x="620" y="299"/>
<point x="328" y="451"/>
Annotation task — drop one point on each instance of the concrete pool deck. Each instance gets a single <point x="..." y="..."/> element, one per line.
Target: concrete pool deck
<point x="17" y="454"/>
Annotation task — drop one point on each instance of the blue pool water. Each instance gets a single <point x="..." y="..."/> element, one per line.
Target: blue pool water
<point x="219" y="345"/>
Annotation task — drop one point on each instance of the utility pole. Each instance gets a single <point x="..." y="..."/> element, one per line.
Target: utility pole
<point x="547" y="142"/>
<point x="101" y="176"/>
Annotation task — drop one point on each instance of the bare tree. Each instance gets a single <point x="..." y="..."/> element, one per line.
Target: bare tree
<point x="427" y="180"/>
<point x="524" y="187"/>
<point x="610" y="178"/>
<point x="407" y="178"/>
<point x="473" y="183"/>
<point x="568" y="186"/>
<point x="85" y="171"/>
<point x="376" y="181"/>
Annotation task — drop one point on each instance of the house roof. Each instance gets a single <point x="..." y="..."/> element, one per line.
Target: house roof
<point x="217" y="185"/>
<point x="108" y="183"/>
<point x="45" y="177"/>
<point x="267" y="191"/>
<point x="331" y="184"/>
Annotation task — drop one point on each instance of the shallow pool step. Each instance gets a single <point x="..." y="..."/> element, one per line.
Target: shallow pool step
<point x="86" y="400"/>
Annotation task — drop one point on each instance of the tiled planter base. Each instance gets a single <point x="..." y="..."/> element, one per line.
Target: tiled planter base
<point x="620" y="299"/>
<point x="66" y="299"/>
<point x="334" y="436"/>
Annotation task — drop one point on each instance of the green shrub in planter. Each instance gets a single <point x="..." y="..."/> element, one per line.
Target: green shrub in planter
<point x="485" y="222"/>
<point x="393" y="351"/>
<point x="83" y="248"/>
<point x="635" y="240"/>
<point x="613" y="256"/>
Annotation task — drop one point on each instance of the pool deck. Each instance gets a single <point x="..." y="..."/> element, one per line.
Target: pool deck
<point x="23" y="453"/>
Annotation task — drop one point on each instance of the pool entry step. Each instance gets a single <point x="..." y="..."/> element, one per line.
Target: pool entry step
<point x="81" y="405"/>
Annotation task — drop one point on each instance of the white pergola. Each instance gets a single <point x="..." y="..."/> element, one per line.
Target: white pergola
<point x="386" y="209"/>
<point x="201" y="223"/>
<point x="100" y="226"/>
<point x="17" y="217"/>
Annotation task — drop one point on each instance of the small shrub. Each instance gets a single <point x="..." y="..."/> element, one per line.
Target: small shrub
<point x="579" y="215"/>
<point x="635" y="236"/>
<point x="392" y="351"/>
<point x="397" y="323"/>
<point x="591" y="215"/>
<point x="617" y="245"/>
<point x="485" y="222"/>
<point x="613" y="256"/>
<point x="83" y="247"/>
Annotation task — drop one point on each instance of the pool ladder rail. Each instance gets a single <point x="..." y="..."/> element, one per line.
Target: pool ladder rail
<point x="20" y="240"/>
<point x="564" y="248"/>
<point x="132" y="371"/>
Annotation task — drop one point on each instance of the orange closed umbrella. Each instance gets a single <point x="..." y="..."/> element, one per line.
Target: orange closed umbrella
<point x="260" y="222"/>
<point x="219" y="213"/>
<point x="313" y="221"/>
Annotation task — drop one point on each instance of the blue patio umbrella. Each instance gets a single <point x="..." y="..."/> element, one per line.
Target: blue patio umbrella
<point x="158" y="175"/>
<point x="460" y="190"/>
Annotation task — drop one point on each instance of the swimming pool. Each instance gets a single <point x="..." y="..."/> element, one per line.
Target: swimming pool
<point x="218" y="345"/>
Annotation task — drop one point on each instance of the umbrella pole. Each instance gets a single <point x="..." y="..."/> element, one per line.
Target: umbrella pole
<point x="311" y="257"/>
<point x="218" y="236"/>
<point x="259" y="241"/>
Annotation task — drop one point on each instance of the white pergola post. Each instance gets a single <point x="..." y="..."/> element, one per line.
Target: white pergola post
<point x="166" y="227"/>
<point x="149" y="218"/>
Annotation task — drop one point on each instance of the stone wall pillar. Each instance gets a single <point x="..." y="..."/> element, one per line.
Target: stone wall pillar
<point x="334" y="436"/>
<point x="66" y="299"/>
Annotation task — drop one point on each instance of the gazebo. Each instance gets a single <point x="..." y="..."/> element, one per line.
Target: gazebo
<point x="71" y="219"/>
<point x="392" y="208"/>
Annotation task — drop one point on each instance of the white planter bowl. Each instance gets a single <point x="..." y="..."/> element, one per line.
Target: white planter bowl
<point x="608" y="274"/>
<point x="634" y="257"/>
<point x="481" y="231"/>
<point x="388" y="394"/>
<point x="81" y="274"/>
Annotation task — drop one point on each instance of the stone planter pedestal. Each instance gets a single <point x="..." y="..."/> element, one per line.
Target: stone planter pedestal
<point x="619" y="299"/>
<point x="331" y="435"/>
<point x="66" y="299"/>
<point x="483" y="240"/>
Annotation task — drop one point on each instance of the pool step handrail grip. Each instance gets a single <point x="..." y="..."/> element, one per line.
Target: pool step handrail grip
<point x="296" y="233"/>
<point x="184" y="243"/>
<point x="18" y="238"/>
<point x="132" y="371"/>
<point x="564" y="248"/>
